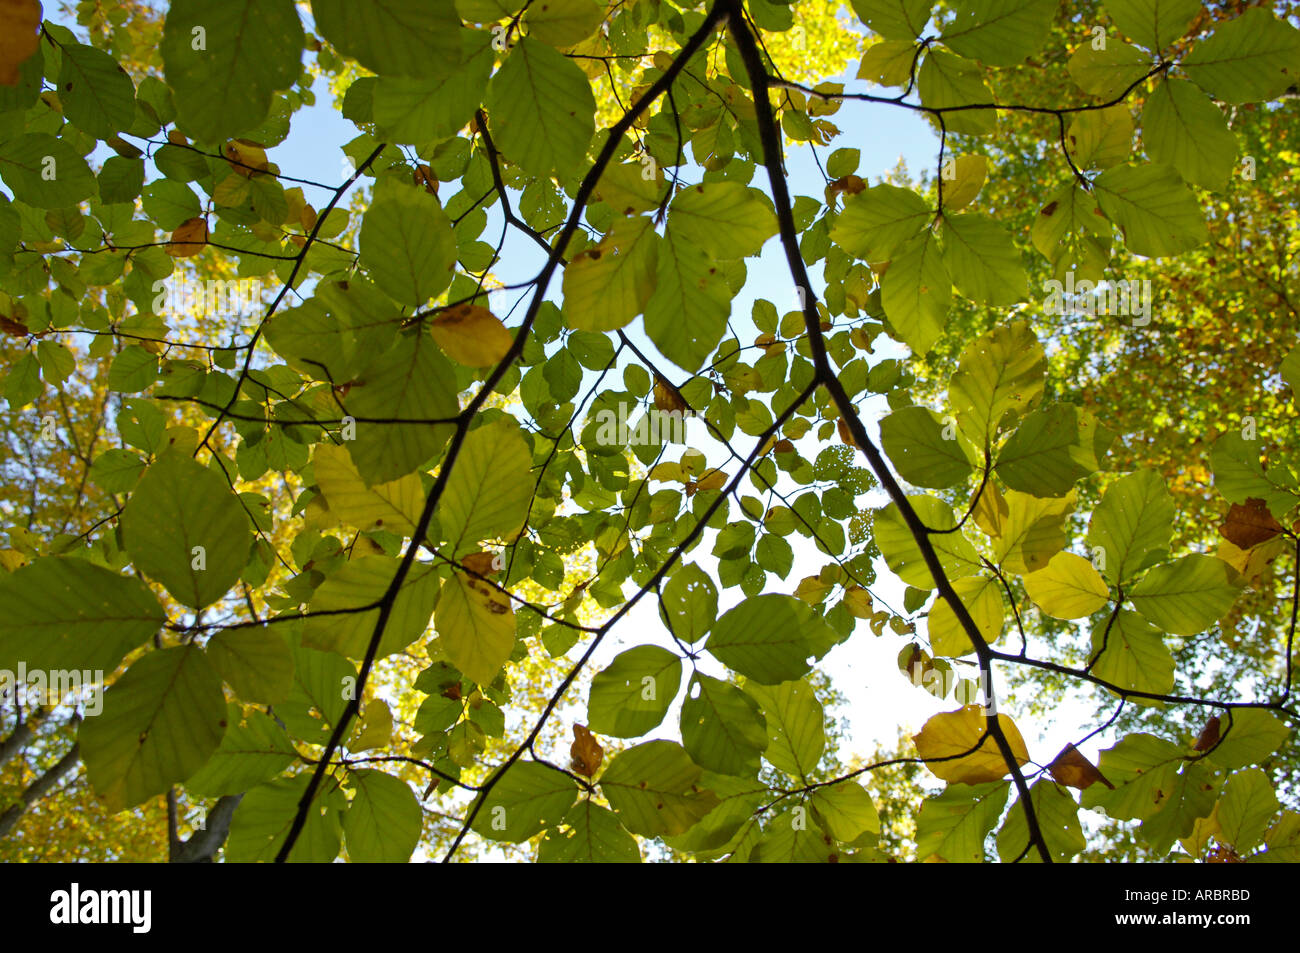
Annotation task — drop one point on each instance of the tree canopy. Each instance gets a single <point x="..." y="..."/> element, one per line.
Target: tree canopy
<point x="520" y="491"/>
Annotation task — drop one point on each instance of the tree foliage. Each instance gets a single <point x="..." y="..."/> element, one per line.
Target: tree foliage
<point x="366" y="506"/>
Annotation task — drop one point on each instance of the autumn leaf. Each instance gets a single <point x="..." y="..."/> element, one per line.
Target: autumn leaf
<point x="20" y="36"/>
<point x="585" y="752"/>
<point x="471" y="335"/>
<point x="188" y="238"/>
<point x="1249" y="524"/>
<point x="1071" y="768"/>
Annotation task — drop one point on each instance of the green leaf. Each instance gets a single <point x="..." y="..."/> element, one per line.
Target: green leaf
<point x="878" y="221"/>
<point x="767" y="638"/>
<point x="916" y="292"/>
<point x="407" y="244"/>
<point x="161" y="722"/>
<point x="1101" y="138"/>
<point x="528" y="797"/>
<point x="1156" y="213"/>
<point x="1050" y="451"/>
<point x="1142" y="767"/>
<point x="608" y="285"/>
<point x="653" y="788"/>
<point x="847" y="811"/>
<point x="982" y="597"/>
<point x="894" y="19"/>
<point x="541" y="109"/>
<point x="1247" y="805"/>
<point x="1248" y="736"/>
<point x="633" y="693"/>
<point x="263" y="818"/>
<point x="257" y="662"/>
<point x="982" y="260"/>
<point x="476" y="627"/>
<point x="361" y="582"/>
<point x="1186" y="596"/>
<point x="1191" y="798"/>
<point x="589" y="834"/>
<point x="384" y="820"/>
<point x="1153" y="23"/>
<point x="338" y="330"/>
<point x="393" y="37"/>
<point x="323" y="682"/>
<point x="954" y="823"/>
<point x="957" y="556"/>
<point x="1068" y="587"/>
<point x="686" y="313"/>
<point x="948" y="81"/>
<point x="998" y="32"/>
<point x="925" y="450"/>
<point x="722" y="727"/>
<point x="490" y="488"/>
<point x="412" y="381"/>
<point x="45" y="172"/>
<point x="1134" y="656"/>
<point x="1131" y="526"/>
<point x="1058" y="822"/>
<point x="1000" y="373"/>
<point x="1109" y="71"/>
<point x="98" y="96"/>
<point x="1183" y="128"/>
<point x="564" y="23"/>
<point x="1250" y="58"/>
<point x="429" y="108"/>
<point x="1072" y="234"/>
<point x="133" y="370"/>
<point x="185" y="528"/>
<point x="394" y="506"/>
<point x="251" y="752"/>
<point x="729" y="219"/>
<point x="690" y="603"/>
<point x="796" y="734"/>
<point x="1239" y="476"/>
<point x="225" y="58"/>
<point x="62" y="613"/>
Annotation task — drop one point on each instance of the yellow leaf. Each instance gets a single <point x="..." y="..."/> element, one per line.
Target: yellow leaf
<point x="1069" y="588"/>
<point x="393" y="506"/>
<point x="246" y="158"/>
<point x="471" y="335"/>
<point x="476" y="627"/>
<point x="20" y="36"/>
<point x="963" y="177"/>
<point x="1033" y="531"/>
<point x="982" y="597"/>
<point x="189" y="238"/>
<point x="376" y="728"/>
<point x="858" y="601"/>
<point x="956" y="736"/>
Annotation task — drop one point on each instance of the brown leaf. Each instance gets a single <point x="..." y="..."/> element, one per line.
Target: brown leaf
<point x="1249" y="524"/>
<point x="1209" y="736"/>
<point x="586" y="752"/>
<point x="667" y="397"/>
<point x="20" y="36"/>
<point x="1074" y="770"/>
<point x="189" y="238"/>
<point x="483" y="564"/>
<point x="246" y="158"/>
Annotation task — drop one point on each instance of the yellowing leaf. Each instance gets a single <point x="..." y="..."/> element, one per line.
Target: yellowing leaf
<point x="476" y="627"/>
<point x="20" y="36"/>
<point x="1074" y="770"/>
<point x="982" y="597"/>
<point x="189" y="238"/>
<point x="392" y="506"/>
<point x="1069" y="588"/>
<point x="376" y="729"/>
<point x="971" y="755"/>
<point x="962" y="180"/>
<point x="471" y="335"/>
